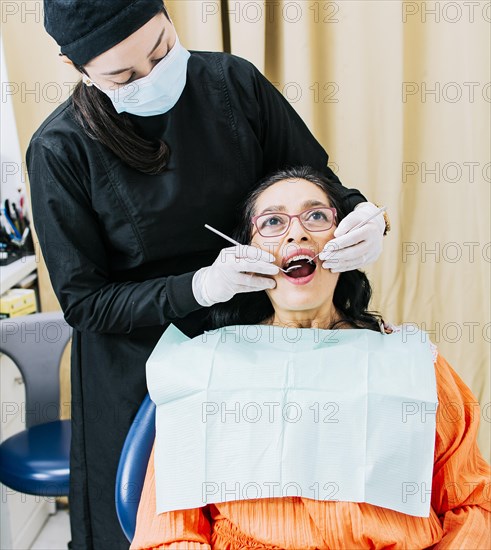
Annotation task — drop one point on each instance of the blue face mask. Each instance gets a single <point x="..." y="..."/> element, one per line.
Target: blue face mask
<point x="157" y="92"/>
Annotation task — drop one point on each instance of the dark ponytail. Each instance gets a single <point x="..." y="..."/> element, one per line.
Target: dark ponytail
<point x="352" y="293"/>
<point x="97" y="116"/>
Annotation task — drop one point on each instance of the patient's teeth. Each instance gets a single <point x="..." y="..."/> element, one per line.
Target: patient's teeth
<point x="299" y="257"/>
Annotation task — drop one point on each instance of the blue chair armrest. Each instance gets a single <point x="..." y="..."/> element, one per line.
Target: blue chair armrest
<point x="132" y="466"/>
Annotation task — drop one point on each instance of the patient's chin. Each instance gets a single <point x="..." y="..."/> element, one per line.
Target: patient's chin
<point x="297" y="303"/>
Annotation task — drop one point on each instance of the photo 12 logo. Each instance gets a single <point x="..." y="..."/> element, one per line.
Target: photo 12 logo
<point x="469" y="11"/>
<point x="23" y="12"/>
<point x="220" y="491"/>
<point x="256" y="11"/>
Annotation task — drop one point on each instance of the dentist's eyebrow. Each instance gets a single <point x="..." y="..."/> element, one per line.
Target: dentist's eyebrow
<point x="119" y="71"/>
<point x="281" y="208"/>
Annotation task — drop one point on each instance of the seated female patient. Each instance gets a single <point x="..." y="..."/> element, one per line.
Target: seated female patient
<point x="314" y="297"/>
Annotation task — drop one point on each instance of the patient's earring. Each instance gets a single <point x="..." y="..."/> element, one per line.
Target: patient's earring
<point x="86" y="80"/>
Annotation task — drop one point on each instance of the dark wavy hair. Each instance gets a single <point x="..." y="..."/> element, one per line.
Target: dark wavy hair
<point x="352" y="293"/>
<point x="96" y="114"/>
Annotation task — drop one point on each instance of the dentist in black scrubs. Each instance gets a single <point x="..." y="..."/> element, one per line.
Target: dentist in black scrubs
<point x="154" y="142"/>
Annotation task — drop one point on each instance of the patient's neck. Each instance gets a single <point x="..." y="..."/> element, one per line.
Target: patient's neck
<point x="322" y="317"/>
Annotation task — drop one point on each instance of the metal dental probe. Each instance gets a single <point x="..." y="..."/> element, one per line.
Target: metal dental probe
<point x="291" y="268"/>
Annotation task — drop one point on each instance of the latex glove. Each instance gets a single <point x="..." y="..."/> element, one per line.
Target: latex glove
<point x="226" y="277"/>
<point x="349" y="251"/>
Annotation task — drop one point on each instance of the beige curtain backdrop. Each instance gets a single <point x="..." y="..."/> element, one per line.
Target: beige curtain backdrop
<point x="399" y="95"/>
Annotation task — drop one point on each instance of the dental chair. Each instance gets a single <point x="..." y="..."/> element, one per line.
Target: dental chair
<point x="132" y="466"/>
<point x="36" y="461"/>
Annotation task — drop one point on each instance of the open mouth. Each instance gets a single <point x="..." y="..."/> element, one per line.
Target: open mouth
<point x="307" y="268"/>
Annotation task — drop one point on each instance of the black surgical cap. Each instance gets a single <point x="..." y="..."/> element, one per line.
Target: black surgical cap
<point x="86" y="28"/>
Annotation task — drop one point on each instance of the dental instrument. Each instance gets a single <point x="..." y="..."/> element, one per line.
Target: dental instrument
<point x="291" y="268"/>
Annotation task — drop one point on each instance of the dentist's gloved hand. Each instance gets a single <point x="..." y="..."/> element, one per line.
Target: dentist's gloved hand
<point x="351" y="250"/>
<point x="226" y="277"/>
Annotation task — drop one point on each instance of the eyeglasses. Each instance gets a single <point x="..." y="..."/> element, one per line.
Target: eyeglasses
<point x="274" y="224"/>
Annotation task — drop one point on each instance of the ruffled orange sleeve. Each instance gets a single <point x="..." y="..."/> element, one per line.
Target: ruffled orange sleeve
<point x="461" y="489"/>
<point x="176" y="530"/>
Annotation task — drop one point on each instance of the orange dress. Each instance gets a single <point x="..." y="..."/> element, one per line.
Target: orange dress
<point x="460" y="515"/>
